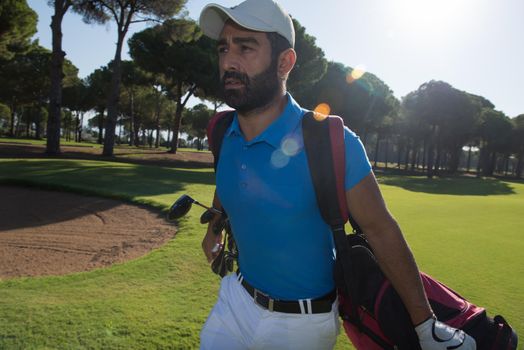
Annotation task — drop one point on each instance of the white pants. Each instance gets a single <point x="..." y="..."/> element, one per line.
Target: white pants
<point x="236" y="322"/>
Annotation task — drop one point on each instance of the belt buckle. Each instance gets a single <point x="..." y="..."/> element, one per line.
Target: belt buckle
<point x="270" y="303"/>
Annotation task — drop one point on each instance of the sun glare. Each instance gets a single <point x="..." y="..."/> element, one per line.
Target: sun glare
<point x="422" y="11"/>
<point x="434" y="17"/>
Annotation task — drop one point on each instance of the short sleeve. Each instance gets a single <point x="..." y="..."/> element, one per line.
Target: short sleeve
<point x="357" y="162"/>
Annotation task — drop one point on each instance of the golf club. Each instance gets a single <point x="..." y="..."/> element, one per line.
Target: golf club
<point x="182" y="206"/>
<point x="224" y="261"/>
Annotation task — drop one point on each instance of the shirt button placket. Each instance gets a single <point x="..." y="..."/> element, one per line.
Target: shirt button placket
<point x="243" y="167"/>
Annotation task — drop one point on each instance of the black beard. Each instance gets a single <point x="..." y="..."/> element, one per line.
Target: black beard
<point x="257" y="92"/>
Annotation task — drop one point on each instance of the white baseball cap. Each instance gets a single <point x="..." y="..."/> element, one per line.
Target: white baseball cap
<point x="257" y="15"/>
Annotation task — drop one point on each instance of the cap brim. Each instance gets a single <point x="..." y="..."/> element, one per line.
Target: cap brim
<point x="213" y="17"/>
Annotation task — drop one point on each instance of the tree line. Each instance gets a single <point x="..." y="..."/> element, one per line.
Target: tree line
<point x="435" y="128"/>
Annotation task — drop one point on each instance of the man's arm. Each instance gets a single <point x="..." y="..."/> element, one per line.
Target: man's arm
<point x="366" y="205"/>
<point x="211" y="239"/>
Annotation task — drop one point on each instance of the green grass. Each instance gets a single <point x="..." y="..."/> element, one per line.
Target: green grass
<point x="63" y="142"/>
<point x="158" y="301"/>
<point x="466" y="232"/>
<point x="472" y="241"/>
<point x="123" y="150"/>
<point x="157" y="186"/>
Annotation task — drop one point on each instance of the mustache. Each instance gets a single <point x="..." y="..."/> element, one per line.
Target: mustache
<point x="243" y="78"/>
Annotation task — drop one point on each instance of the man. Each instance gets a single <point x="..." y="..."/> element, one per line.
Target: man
<point x="283" y="296"/>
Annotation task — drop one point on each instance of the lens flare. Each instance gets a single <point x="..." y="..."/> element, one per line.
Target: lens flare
<point x="290" y="146"/>
<point x="279" y="159"/>
<point x="321" y="111"/>
<point x="356" y="73"/>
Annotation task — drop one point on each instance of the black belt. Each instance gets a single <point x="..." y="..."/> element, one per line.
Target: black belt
<point x="303" y="306"/>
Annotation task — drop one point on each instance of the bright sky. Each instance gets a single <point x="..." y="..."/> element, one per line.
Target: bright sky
<point x="475" y="45"/>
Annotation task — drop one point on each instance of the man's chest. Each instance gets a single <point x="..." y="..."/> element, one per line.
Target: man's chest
<point x="263" y="178"/>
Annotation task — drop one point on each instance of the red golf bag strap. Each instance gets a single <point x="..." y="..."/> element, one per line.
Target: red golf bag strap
<point x="336" y="133"/>
<point x="216" y="129"/>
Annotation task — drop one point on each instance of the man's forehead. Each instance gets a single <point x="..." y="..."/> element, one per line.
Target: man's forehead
<point x="232" y="30"/>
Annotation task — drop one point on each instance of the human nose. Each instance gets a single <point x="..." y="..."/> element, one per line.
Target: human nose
<point x="229" y="61"/>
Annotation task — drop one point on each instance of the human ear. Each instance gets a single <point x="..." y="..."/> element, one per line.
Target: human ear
<point x="286" y="62"/>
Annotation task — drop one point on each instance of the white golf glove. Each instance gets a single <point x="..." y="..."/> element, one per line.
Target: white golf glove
<point x="435" y="335"/>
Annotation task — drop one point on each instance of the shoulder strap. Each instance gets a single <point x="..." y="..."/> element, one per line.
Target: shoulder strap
<point x="324" y="145"/>
<point x="325" y="150"/>
<point x="216" y="128"/>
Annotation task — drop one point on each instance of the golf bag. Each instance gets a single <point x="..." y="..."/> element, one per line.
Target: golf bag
<point x="374" y="315"/>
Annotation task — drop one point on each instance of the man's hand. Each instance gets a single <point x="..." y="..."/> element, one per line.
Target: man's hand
<point x="212" y="241"/>
<point x="435" y="335"/>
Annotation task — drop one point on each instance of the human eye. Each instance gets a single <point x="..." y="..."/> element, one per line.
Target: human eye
<point x="246" y="48"/>
<point x="222" y="49"/>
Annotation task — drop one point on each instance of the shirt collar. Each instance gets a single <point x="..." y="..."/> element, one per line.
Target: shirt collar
<point x="279" y="128"/>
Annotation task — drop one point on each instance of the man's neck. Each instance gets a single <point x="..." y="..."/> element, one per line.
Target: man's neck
<point x="254" y="122"/>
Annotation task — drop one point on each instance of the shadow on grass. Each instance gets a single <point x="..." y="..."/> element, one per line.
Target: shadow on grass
<point x="30" y="151"/>
<point x="108" y="179"/>
<point x="453" y="186"/>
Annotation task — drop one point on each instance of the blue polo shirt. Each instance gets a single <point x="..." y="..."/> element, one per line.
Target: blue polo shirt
<point x="285" y="247"/>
